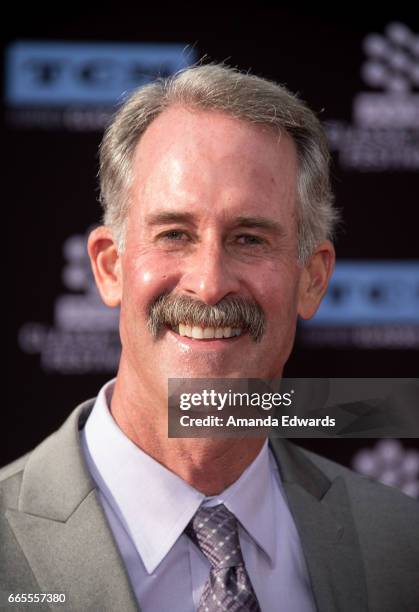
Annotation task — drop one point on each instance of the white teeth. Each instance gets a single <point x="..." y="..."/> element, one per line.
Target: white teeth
<point x="227" y="332"/>
<point x="209" y="332"/>
<point x="197" y="332"/>
<point x="206" y="333"/>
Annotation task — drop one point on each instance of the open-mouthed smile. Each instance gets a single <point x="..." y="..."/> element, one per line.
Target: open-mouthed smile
<point x="206" y="333"/>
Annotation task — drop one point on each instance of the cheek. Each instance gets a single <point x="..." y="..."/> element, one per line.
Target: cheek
<point x="278" y="296"/>
<point x="276" y="290"/>
<point x="144" y="279"/>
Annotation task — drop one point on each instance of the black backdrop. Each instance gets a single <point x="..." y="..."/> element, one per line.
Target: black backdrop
<point x="52" y="191"/>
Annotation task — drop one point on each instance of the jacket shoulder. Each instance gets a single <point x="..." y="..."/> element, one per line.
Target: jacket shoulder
<point x="11" y="479"/>
<point x="13" y="468"/>
<point x="11" y="475"/>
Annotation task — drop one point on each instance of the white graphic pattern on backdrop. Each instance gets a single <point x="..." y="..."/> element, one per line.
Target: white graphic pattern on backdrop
<point x="393" y="59"/>
<point x="390" y="463"/>
<point x="383" y="134"/>
<point x="84" y="336"/>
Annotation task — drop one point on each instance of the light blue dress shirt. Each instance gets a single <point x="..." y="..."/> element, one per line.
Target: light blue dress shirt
<point x="148" y="508"/>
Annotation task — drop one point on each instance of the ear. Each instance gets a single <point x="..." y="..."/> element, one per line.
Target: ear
<point x="106" y="265"/>
<point x="315" y="279"/>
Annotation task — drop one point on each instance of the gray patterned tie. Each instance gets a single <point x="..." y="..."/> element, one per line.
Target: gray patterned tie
<point x="214" y="531"/>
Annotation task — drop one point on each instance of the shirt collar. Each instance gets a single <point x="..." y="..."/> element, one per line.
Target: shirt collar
<point x="154" y="504"/>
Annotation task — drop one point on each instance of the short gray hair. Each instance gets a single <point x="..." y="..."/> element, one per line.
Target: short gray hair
<point x="240" y="95"/>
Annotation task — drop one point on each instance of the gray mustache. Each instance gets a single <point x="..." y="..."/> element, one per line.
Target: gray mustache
<point x="236" y="312"/>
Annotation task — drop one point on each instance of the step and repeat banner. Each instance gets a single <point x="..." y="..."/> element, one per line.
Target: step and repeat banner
<point x="62" y="85"/>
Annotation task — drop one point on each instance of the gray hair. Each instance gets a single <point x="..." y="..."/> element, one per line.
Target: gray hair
<point x="243" y="96"/>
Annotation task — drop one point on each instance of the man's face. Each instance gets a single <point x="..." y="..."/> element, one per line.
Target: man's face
<point x="213" y="216"/>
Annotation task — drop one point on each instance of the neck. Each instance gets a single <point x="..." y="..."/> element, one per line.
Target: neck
<point x="210" y="465"/>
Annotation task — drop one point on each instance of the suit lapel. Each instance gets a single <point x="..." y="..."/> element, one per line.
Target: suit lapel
<point x="62" y="530"/>
<point x="323" y="517"/>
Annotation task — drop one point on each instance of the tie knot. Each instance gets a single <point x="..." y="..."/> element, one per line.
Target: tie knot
<point x="214" y="530"/>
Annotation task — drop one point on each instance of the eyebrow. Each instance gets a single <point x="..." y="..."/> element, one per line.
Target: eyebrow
<point x="165" y="217"/>
<point x="264" y="223"/>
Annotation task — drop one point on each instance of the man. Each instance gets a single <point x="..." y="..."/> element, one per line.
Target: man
<point x="218" y="217"/>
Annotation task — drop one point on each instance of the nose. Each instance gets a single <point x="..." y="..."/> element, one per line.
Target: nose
<point x="209" y="275"/>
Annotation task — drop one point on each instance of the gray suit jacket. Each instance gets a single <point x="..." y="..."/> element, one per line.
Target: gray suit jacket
<point x="360" y="539"/>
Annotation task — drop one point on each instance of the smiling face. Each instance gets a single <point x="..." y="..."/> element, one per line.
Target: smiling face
<point x="212" y="217"/>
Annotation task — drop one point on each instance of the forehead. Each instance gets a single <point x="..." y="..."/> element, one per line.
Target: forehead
<point x="208" y="157"/>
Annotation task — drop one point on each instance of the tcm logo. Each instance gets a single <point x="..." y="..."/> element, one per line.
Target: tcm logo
<point x="60" y="74"/>
<point x="365" y="293"/>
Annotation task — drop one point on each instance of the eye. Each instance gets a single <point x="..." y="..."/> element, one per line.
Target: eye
<point x="250" y="239"/>
<point x="173" y="235"/>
